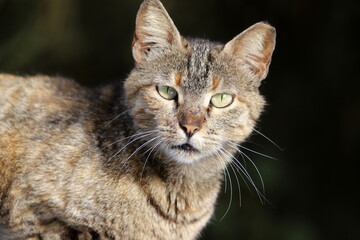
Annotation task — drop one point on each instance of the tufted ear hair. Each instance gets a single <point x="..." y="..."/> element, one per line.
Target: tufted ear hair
<point x="155" y="32"/>
<point x="252" y="49"/>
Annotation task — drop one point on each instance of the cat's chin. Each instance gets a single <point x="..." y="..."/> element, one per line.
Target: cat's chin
<point x="184" y="157"/>
<point x="184" y="153"/>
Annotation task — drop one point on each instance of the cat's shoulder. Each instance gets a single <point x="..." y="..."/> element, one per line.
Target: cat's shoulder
<point x="39" y="94"/>
<point x="15" y="88"/>
<point x="39" y="83"/>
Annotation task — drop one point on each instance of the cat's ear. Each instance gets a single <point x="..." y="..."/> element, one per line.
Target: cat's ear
<point x="155" y="31"/>
<point x="252" y="49"/>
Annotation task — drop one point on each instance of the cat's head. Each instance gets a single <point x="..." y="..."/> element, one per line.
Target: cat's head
<point x="194" y="96"/>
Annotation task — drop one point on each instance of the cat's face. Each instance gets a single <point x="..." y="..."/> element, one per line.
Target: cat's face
<point x="191" y="95"/>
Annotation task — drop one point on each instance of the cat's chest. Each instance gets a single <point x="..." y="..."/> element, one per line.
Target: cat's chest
<point x="143" y="212"/>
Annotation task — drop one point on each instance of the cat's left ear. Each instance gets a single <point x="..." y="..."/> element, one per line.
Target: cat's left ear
<point x="252" y="49"/>
<point x="155" y="31"/>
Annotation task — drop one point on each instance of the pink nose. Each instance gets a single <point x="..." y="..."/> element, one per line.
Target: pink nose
<point x="190" y="128"/>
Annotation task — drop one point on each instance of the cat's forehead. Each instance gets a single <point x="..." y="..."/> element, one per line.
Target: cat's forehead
<point x="195" y="76"/>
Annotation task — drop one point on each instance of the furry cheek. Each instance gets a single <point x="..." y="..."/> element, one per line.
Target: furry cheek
<point x="150" y="110"/>
<point x="234" y="123"/>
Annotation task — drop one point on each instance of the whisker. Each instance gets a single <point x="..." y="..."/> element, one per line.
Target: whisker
<point x="160" y="149"/>
<point x="254" y="165"/>
<point x="243" y="159"/>
<point x="241" y="175"/>
<point x="134" y="135"/>
<point x="260" y="194"/>
<point x="238" y="164"/>
<point x="267" y="138"/>
<point x="225" y="180"/>
<point x="116" y="117"/>
<point x="117" y="152"/>
<point x="247" y="175"/>
<point x="237" y="181"/>
<point x="141" y="147"/>
<point x="257" y="170"/>
<point x="150" y="149"/>
<point x="259" y="153"/>
<point x="230" y="184"/>
<point x="147" y="158"/>
<point x="136" y="150"/>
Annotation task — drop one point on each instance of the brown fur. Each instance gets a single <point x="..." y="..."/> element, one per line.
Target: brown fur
<point x="110" y="163"/>
<point x="215" y="83"/>
<point x="178" y="79"/>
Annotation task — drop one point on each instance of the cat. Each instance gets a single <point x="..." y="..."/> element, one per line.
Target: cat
<point x="139" y="160"/>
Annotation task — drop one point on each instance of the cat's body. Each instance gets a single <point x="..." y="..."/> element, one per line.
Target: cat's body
<point x="130" y="163"/>
<point x="55" y="141"/>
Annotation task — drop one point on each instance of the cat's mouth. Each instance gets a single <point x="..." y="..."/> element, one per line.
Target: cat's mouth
<point x="185" y="147"/>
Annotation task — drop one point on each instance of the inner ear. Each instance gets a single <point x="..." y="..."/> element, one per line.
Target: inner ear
<point x="252" y="49"/>
<point x="155" y="32"/>
<point x="140" y="49"/>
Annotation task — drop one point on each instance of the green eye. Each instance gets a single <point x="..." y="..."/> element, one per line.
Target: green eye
<point x="167" y="92"/>
<point x="221" y="100"/>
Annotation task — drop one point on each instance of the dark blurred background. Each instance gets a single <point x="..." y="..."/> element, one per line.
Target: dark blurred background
<point x="314" y="105"/>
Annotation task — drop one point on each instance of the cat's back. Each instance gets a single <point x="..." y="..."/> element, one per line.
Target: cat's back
<point x="35" y="104"/>
<point x="24" y="96"/>
<point x="32" y="111"/>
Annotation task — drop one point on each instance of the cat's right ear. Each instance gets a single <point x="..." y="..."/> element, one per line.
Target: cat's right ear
<point x="155" y="31"/>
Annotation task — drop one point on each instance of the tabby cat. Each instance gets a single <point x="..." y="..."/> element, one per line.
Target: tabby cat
<point x="142" y="160"/>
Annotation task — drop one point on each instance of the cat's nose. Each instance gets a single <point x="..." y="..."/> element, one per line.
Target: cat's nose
<point x="190" y="128"/>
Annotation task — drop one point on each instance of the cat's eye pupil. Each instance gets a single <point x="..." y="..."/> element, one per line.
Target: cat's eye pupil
<point x="221" y="100"/>
<point x="167" y="92"/>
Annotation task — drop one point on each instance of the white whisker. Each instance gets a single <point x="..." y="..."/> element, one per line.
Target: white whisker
<point x="254" y="165"/>
<point x="149" y="154"/>
<point x="121" y="149"/>
<point x="134" y="135"/>
<point x="116" y="117"/>
<point x="135" y="151"/>
<point x="141" y="147"/>
<point x="230" y="184"/>
<point x="267" y="138"/>
<point x="247" y="175"/>
<point x="237" y="180"/>
<point x="259" y="153"/>
<point x="244" y="165"/>
<point x="224" y="173"/>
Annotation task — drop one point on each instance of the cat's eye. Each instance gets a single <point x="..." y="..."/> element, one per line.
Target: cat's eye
<point x="167" y="92"/>
<point x="221" y="100"/>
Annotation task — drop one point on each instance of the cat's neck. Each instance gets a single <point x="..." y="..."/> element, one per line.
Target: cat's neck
<point x="182" y="192"/>
<point x="200" y="171"/>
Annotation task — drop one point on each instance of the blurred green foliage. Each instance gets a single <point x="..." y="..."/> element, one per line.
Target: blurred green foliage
<point x="312" y="113"/>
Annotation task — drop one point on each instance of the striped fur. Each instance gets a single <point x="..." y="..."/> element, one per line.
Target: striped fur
<point x="115" y="162"/>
